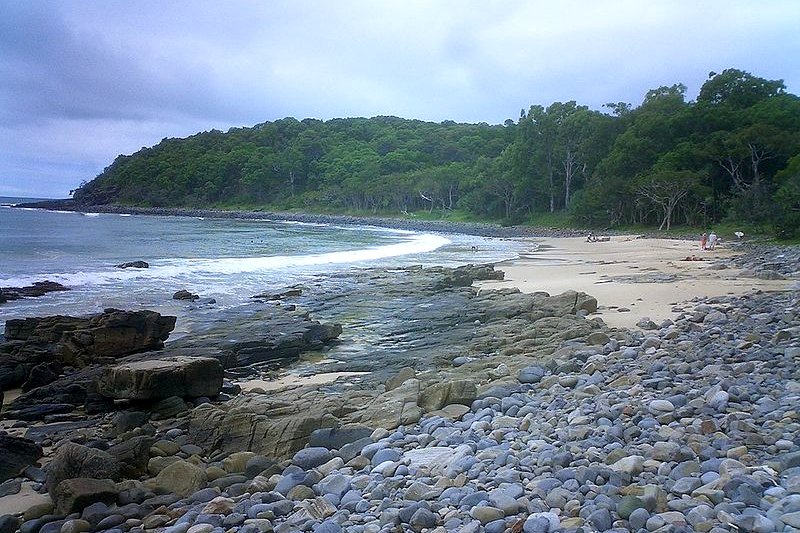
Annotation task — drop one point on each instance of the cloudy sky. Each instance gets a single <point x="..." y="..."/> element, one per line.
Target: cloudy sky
<point x="84" y="81"/>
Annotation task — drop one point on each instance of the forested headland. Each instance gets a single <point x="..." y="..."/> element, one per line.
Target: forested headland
<point x="732" y="155"/>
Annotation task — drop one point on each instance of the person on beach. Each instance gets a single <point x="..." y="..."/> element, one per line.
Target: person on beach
<point x="712" y="241"/>
<point x="703" y="241"/>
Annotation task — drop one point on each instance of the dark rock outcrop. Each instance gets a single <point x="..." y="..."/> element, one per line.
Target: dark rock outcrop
<point x="77" y="341"/>
<point x="133" y="264"/>
<point x="16" y="454"/>
<point x="183" y="294"/>
<point x="162" y="378"/>
<point x="270" y="335"/>
<point x="39" y="288"/>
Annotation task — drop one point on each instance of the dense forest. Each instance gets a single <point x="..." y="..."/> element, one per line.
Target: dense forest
<point x="731" y="155"/>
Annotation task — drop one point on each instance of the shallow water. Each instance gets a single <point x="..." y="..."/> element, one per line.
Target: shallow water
<point x="228" y="260"/>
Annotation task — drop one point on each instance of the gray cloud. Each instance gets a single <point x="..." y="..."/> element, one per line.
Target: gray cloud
<point x="81" y="82"/>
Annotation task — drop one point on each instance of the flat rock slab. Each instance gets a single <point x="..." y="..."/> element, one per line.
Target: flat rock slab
<point x="162" y="378"/>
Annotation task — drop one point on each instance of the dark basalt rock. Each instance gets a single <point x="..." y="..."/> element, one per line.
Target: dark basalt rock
<point x="76" y="341"/>
<point x="40" y="288"/>
<point x="133" y="264"/>
<point x="183" y="294"/>
<point x="16" y="454"/>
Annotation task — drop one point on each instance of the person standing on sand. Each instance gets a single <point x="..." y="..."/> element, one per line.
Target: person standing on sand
<point x="712" y="241"/>
<point x="703" y="240"/>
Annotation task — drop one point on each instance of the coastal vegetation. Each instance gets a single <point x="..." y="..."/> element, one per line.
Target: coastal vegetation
<point x="732" y="155"/>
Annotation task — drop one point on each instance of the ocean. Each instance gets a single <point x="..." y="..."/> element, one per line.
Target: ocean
<point x="227" y="260"/>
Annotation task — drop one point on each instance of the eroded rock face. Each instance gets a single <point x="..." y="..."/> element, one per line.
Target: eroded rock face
<point x="77" y="342"/>
<point x="162" y="378"/>
<point x="81" y="341"/>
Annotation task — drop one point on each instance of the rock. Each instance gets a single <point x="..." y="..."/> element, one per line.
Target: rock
<point x="76" y="493"/>
<point x="82" y="341"/>
<point x="8" y="523"/>
<point x="133" y="264"/>
<point x="42" y="374"/>
<point x="485" y="514"/>
<point x="335" y="438"/>
<point x="401" y="377"/>
<point x="531" y="374"/>
<point x="646" y="323"/>
<point x="601" y="519"/>
<point x="280" y="295"/>
<point x="183" y="294"/>
<point x="628" y="504"/>
<point x="10" y="486"/>
<point x="309" y="458"/>
<point x="631" y="465"/>
<point x="438" y="395"/>
<point x="274" y="334"/>
<point x="422" y="519"/>
<point x="39" y="288"/>
<point x="16" y="454"/>
<point x="237" y="462"/>
<point x="76" y="461"/>
<point x="181" y="478"/>
<point x="162" y="378"/>
<point x="132" y="455"/>
<point x="638" y="518"/>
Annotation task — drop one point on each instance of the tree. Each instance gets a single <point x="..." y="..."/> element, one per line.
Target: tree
<point x="737" y="88"/>
<point x="665" y="189"/>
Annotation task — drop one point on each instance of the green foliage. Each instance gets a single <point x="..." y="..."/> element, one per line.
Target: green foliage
<point x="731" y="156"/>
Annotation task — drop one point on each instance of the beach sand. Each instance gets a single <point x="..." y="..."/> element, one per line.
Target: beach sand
<point x="645" y="276"/>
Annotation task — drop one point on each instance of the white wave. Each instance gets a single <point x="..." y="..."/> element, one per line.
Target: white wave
<point x="91" y="214"/>
<point x="179" y="268"/>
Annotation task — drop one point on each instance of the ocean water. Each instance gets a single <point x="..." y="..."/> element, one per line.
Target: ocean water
<point x="224" y="259"/>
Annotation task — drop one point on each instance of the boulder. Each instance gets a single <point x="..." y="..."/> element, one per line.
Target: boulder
<point x="256" y="424"/>
<point x="133" y="264"/>
<point x="436" y="396"/>
<point x="183" y="294"/>
<point x="182" y="478"/>
<point x="72" y="495"/>
<point x="16" y="454"/>
<point x="132" y="455"/>
<point x="74" y="460"/>
<point x="162" y="378"/>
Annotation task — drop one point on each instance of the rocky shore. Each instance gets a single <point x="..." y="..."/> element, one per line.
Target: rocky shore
<point x="484" y="410"/>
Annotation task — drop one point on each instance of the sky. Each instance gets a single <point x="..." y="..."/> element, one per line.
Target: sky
<point x="84" y="81"/>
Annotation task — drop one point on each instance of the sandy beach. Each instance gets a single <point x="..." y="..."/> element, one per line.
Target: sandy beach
<point x="631" y="277"/>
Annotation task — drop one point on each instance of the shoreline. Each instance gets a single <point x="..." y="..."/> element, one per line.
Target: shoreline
<point x="481" y="229"/>
<point x="633" y="278"/>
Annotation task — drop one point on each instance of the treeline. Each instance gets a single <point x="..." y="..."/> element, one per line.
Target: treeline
<point x="733" y="154"/>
